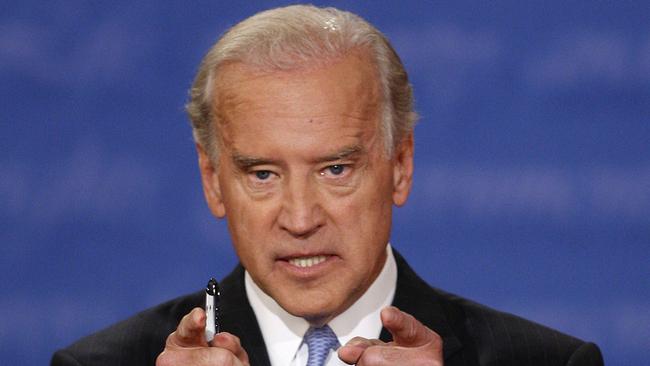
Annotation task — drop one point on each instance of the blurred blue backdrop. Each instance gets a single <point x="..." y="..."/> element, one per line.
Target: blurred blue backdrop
<point x="532" y="186"/>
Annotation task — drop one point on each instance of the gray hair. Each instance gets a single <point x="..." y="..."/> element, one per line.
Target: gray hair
<point x="297" y="36"/>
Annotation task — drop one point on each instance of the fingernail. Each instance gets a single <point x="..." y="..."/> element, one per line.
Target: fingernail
<point x="389" y="313"/>
<point x="353" y="342"/>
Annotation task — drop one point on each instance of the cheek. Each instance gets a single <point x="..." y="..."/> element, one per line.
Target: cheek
<point x="247" y="223"/>
<point x="247" y="226"/>
<point x="372" y="216"/>
<point x="372" y="202"/>
<point x="244" y="214"/>
<point x="364" y="218"/>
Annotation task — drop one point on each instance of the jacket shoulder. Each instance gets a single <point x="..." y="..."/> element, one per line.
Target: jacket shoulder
<point x="134" y="341"/>
<point x="475" y="334"/>
<point x="501" y="338"/>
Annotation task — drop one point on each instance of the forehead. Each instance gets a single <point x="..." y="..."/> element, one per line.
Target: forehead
<point x="344" y="88"/>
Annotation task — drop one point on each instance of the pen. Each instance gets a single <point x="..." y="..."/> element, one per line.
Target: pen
<point x="212" y="321"/>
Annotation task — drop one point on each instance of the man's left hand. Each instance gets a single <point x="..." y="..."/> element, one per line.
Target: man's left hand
<point x="413" y="344"/>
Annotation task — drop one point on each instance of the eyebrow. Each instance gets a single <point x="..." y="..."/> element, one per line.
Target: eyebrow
<point x="245" y="162"/>
<point x="344" y="153"/>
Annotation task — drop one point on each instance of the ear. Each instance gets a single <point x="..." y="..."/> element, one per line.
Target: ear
<point x="210" y="180"/>
<point x="403" y="170"/>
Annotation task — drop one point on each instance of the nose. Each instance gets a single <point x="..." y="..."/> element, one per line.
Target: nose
<point x="301" y="214"/>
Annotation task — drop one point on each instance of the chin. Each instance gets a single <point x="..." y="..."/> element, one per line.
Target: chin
<point x="315" y="314"/>
<point x="317" y="319"/>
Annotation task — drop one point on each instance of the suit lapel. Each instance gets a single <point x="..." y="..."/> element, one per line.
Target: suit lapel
<point x="238" y="318"/>
<point x="416" y="297"/>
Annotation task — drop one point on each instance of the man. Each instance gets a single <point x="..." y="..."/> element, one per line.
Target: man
<point x="304" y="128"/>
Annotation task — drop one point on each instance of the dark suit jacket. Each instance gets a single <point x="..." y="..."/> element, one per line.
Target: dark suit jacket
<point x="472" y="334"/>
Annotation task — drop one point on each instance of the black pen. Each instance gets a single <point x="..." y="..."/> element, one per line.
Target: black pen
<point x="212" y="321"/>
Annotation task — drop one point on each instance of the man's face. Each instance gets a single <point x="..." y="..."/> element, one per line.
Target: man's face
<point x="305" y="183"/>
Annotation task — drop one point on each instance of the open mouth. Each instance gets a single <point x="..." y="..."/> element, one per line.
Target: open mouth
<point x="306" y="262"/>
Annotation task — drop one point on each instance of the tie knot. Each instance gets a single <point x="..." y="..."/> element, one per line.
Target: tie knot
<point x="320" y="341"/>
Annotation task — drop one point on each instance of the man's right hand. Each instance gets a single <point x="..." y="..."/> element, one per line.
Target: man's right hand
<point x="187" y="345"/>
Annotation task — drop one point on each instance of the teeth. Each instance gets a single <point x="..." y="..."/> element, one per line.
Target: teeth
<point x="305" y="262"/>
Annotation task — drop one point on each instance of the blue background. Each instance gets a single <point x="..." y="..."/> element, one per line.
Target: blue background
<point x="532" y="185"/>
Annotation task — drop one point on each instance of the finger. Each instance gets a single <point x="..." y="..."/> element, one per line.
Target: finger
<point x="363" y="342"/>
<point x="202" y="356"/>
<point x="352" y="351"/>
<point x="231" y="343"/>
<point x="406" y="330"/>
<point x="190" y="330"/>
<point x="388" y="355"/>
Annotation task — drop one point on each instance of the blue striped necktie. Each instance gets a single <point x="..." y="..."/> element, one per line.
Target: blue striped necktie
<point x="320" y="341"/>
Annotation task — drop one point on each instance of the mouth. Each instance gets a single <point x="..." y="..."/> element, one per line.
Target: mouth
<point x="306" y="262"/>
<point x="308" y="265"/>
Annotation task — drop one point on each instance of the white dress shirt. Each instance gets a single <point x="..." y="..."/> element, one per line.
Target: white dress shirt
<point x="283" y="332"/>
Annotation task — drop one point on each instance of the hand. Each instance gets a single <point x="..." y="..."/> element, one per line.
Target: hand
<point x="187" y="345"/>
<point x="413" y="344"/>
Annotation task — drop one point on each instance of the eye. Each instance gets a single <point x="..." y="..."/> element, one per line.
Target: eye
<point x="262" y="174"/>
<point x="260" y="179"/>
<point x="336" y="169"/>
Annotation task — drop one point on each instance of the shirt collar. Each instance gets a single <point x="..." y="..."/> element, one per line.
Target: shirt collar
<point x="283" y="332"/>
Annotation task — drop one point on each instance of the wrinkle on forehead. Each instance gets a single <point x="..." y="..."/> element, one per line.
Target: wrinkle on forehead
<point x="305" y="137"/>
<point x="233" y="77"/>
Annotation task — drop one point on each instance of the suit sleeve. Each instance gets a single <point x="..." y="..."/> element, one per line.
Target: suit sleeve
<point x="63" y="358"/>
<point x="586" y="355"/>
